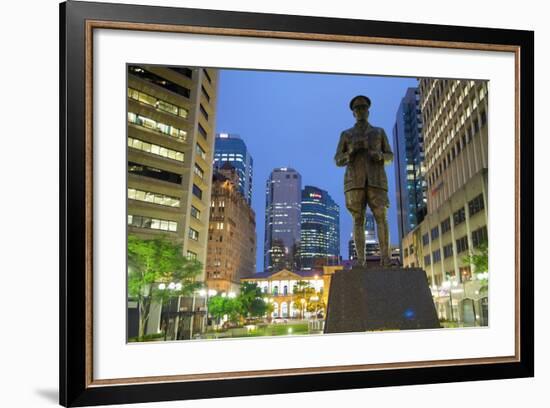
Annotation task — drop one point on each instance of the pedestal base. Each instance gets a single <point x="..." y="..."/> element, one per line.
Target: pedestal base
<point x="363" y="299"/>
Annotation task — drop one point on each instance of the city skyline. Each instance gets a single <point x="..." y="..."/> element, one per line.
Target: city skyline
<point x="283" y="116"/>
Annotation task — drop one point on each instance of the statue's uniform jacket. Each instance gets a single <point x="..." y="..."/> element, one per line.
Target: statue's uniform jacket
<point x="362" y="170"/>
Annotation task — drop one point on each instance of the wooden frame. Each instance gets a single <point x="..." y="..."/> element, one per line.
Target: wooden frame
<point x="77" y="22"/>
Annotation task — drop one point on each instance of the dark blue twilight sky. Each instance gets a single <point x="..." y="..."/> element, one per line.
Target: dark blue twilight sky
<point x="294" y="120"/>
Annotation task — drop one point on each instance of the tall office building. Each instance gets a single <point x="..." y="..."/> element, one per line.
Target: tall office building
<point x="230" y="148"/>
<point x="171" y="116"/>
<point x="454" y="114"/>
<point x="282" y="220"/>
<point x="320" y="229"/>
<point x="232" y="233"/>
<point x="372" y="246"/>
<point x="410" y="184"/>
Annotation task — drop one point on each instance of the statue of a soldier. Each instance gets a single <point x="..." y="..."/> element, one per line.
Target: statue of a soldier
<point x="364" y="150"/>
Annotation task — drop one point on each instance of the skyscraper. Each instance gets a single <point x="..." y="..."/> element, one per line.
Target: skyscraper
<point x="230" y="148"/>
<point x="455" y="226"/>
<point x="171" y="112"/>
<point x="282" y="219"/>
<point x="410" y="183"/>
<point x="170" y="129"/>
<point x="320" y="229"/>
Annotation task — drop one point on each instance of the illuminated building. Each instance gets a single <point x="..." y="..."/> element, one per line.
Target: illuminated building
<point x="170" y="137"/>
<point x="320" y="229"/>
<point x="410" y="185"/>
<point x="282" y="219"/>
<point x="230" y="148"/>
<point x="282" y="289"/>
<point x="231" y="235"/>
<point x="454" y="113"/>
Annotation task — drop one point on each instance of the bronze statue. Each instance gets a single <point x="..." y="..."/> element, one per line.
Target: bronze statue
<point x="364" y="149"/>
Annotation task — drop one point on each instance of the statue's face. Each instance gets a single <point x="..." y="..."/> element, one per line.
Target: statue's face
<point x="361" y="112"/>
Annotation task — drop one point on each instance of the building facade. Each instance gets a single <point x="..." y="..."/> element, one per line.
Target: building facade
<point x="456" y="225"/>
<point x="231" y="234"/>
<point x="170" y="138"/>
<point x="319" y="229"/>
<point x="284" y="289"/>
<point x="282" y="220"/>
<point x="230" y="148"/>
<point x="410" y="183"/>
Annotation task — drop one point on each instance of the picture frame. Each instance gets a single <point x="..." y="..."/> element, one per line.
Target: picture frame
<point x="78" y="20"/>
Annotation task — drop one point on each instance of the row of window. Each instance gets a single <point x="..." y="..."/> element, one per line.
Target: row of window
<point x="155" y="198"/>
<point x="152" y="223"/>
<point x="153" y="172"/>
<point x="159" y="81"/>
<point x="155" y="149"/>
<point x="476" y="205"/>
<point x="455" y="150"/>
<point x="148" y="123"/>
<point x="183" y="71"/>
<point x="479" y="237"/>
<point x="157" y="103"/>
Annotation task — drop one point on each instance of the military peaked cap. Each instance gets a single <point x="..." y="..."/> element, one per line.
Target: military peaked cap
<point x="359" y="99"/>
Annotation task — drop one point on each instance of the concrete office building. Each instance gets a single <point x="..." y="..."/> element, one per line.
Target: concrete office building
<point x="230" y="148"/>
<point x="232" y="234"/>
<point x="410" y="183"/>
<point x="171" y="117"/>
<point x="456" y="142"/>
<point x="320" y="229"/>
<point x="282" y="220"/>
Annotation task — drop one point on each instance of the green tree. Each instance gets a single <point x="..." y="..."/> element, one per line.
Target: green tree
<point x="479" y="258"/>
<point x="251" y="300"/>
<point x="219" y="306"/>
<point x="316" y="304"/>
<point x="302" y="294"/>
<point x="157" y="271"/>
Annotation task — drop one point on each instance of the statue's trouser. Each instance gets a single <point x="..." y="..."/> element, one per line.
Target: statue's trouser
<point x="383" y="234"/>
<point x="356" y="203"/>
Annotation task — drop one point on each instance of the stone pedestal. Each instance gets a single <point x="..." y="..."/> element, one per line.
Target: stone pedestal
<point x="377" y="298"/>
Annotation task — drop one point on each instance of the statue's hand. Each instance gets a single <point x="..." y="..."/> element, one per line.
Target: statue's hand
<point x="377" y="156"/>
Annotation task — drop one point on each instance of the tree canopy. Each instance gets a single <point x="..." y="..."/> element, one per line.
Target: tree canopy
<point x="158" y="270"/>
